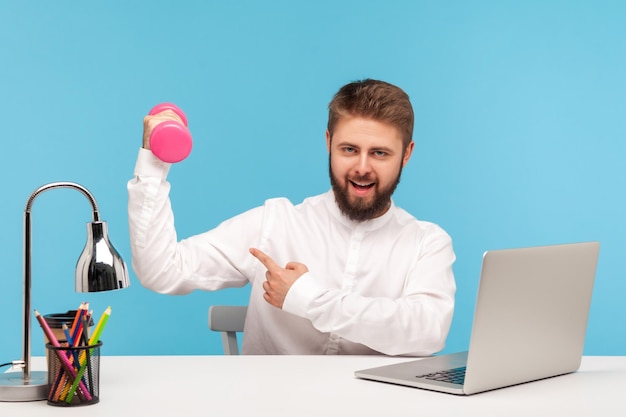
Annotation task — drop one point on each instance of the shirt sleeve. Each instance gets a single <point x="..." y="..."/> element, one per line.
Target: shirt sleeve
<point x="208" y="261"/>
<point x="415" y="324"/>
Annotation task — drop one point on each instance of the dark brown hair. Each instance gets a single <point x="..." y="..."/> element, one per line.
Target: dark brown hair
<point x="373" y="99"/>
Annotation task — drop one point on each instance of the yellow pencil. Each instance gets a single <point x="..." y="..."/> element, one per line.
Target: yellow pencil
<point x="95" y="336"/>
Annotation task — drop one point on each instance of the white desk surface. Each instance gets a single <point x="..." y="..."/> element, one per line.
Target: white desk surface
<point x="297" y="386"/>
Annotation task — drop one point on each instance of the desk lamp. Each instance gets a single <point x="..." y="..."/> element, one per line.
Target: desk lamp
<point x="99" y="268"/>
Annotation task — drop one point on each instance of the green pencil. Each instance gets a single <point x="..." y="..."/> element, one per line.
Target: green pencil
<point x="95" y="337"/>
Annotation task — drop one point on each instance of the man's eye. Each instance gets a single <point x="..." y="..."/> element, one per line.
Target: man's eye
<point x="380" y="154"/>
<point x="349" y="150"/>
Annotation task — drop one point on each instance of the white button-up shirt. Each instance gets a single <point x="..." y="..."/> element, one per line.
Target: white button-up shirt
<point x="379" y="286"/>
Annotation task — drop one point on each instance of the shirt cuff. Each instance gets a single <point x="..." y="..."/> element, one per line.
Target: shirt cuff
<point x="148" y="165"/>
<point x="301" y="295"/>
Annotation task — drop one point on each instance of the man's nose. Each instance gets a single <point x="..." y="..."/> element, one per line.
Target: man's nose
<point x="363" y="166"/>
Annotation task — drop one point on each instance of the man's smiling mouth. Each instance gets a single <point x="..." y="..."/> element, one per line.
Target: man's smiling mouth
<point x="362" y="185"/>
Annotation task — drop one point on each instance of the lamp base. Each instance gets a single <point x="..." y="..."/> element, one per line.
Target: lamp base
<point x="13" y="387"/>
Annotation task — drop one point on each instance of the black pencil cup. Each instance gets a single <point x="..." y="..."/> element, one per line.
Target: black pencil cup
<point x="73" y="374"/>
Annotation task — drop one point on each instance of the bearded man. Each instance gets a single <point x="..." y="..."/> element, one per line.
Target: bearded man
<point x="344" y="272"/>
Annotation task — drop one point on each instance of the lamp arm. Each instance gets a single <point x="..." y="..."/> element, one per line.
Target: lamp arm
<point x="78" y="187"/>
<point x="27" y="259"/>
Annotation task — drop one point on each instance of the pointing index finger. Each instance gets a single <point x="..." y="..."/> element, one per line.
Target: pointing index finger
<point x="264" y="258"/>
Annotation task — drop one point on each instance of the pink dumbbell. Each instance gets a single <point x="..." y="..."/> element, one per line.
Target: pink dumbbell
<point x="170" y="141"/>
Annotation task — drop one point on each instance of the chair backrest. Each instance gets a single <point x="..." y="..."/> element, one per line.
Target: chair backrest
<point x="229" y="320"/>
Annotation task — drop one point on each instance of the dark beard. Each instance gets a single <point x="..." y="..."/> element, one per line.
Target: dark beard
<point x="361" y="211"/>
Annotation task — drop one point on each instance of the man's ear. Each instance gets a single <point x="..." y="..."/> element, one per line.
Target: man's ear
<point x="328" y="141"/>
<point x="407" y="153"/>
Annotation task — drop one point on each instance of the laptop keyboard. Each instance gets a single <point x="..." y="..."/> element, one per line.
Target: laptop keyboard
<point x="453" y="376"/>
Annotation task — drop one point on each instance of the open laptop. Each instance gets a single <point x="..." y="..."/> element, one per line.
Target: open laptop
<point x="529" y="323"/>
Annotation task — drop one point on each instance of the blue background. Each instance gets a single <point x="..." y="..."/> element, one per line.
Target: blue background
<point x="520" y="135"/>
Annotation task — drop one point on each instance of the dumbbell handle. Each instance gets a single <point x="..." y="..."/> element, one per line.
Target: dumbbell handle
<point x="170" y="141"/>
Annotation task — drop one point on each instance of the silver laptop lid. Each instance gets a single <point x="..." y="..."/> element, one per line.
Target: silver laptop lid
<point x="531" y="314"/>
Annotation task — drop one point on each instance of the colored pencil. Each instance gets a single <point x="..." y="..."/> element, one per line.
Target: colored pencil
<point x="77" y="326"/>
<point x="76" y="321"/>
<point x="70" y="343"/>
<point x="61" y="386"/>
<point x="85" y="335"/>
<point x="95" y="337"/>
<point x="65" y="363"/>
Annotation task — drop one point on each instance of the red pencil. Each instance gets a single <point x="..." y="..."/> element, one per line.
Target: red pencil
<point x="76" y="321"/>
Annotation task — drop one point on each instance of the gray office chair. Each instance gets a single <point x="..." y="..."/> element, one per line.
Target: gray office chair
<point x="229" y="320"/>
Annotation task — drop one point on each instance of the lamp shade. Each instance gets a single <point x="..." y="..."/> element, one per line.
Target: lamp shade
<point x="100" y="267"/>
